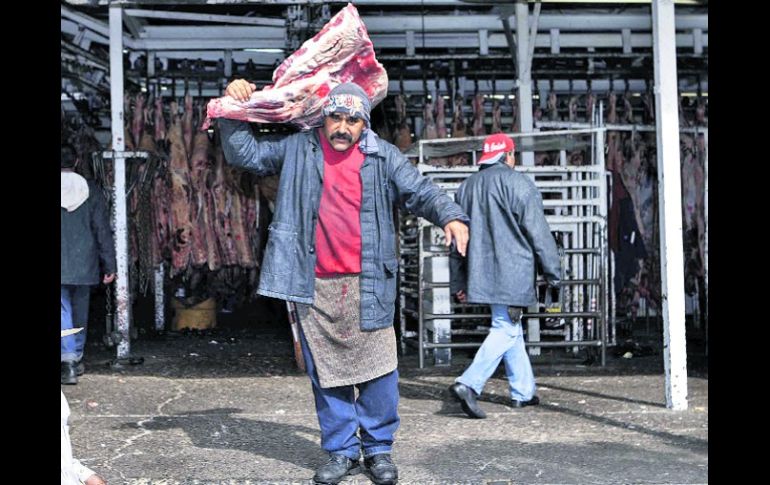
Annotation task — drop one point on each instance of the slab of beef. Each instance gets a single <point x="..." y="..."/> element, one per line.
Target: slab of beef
<point x="340" y="52"/>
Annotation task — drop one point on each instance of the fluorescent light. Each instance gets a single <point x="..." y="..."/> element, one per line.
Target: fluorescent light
<point x="266" y="50"/>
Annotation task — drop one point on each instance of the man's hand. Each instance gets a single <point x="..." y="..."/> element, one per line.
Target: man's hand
<point x="95" y="480"/>
<point x="108" y="278"/>
<point x="459" y="232"/>
<point x="461" y="296"/>
<point x="240" y="89"/>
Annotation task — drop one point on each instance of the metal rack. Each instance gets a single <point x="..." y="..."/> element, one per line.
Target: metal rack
<point x="575" y="201"/>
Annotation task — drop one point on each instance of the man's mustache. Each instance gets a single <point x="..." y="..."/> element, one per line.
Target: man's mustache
<point x="344" y="136"/>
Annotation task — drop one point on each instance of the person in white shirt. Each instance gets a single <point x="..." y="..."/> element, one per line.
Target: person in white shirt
<point x="72" y="471"/>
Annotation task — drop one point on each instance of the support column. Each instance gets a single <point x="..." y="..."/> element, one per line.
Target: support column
<point x="523" y="69"/>
<point x="122" y="297"/>
<point x="670" y="203"/>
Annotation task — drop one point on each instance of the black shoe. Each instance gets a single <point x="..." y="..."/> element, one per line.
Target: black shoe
<point x="334" y="470"/>
<point x="467" y="398"/>
<point x="381" y="469"/>
<point x="520" y="404"/>
<point x="80" y="369"/>
<point x="69" y="373"/>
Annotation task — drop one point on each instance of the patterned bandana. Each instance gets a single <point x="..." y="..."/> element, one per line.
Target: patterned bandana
<point x="348" y="98"/>
<point x="351" y="99"/>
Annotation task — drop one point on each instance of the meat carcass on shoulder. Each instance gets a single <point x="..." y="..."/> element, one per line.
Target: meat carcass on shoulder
<point x="341" y="52"/>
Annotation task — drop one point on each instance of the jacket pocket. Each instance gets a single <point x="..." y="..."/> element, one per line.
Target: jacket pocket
<point x="281" y="251"/>
<point x="387" y="287"/>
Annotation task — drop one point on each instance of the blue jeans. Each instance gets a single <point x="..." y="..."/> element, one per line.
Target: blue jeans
<point x="505" y="342"/>
<point x="74" y="314"/>
<point x="341" y="415"/>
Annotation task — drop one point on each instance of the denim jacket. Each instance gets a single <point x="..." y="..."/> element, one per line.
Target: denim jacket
<point x="508" y="237"/>
<point x="387" y="177"/>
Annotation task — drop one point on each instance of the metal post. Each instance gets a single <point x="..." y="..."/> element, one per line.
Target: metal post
<point x="420" y="310"/>
<point x="228" y="61"/>
<point x="122" y="297"/>
<point x="603" y="243"/>
<point x="523" y="69"/>
<point x="670" y="200"/>
<point x="160" y="317"/>
<point x="706" y="236"/>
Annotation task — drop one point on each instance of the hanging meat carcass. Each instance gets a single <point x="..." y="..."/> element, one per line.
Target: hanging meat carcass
<point x="403" y="139"/>
<point x="233" y="179"/>
<point x="429" y="131"/>
<point x="497" y="117"/>
<point x="649" y="108"/>
<point x="340" y="52"/>
<point x="441" y="131"/>
<point x="614" y="147"/>
<point x="628" y="109"/>
<point x="515" y="123"/>
<point x="222" y="197"/>
<point x="572" y="107"/>
<point x="181" y="196"/>
<point x="200" y="174"/>
<point x="477" y="126"/>
<point x="552" y="109"/>
<point x="459" y="130"/>
<point x="590" y="103"/>
<point x="187" y="122"/>
<point x="137" y="120"/>
<point x="161" y="194"/>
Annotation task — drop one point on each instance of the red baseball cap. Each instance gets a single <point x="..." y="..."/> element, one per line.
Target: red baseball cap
<point x="495" y="147"/>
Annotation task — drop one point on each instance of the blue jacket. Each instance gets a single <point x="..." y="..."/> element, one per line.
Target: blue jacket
<point x="87" y="246"/>
<point x="288" y="267"/>
<point x="508" y="236"/>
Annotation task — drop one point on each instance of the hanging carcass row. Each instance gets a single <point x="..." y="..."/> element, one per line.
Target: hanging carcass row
<point x="341" y="52"/>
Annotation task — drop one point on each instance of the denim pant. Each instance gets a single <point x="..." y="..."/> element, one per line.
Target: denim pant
<point x="341" y="415"/>
<point x="505" y="342"/>
<point x="74" y="314"/>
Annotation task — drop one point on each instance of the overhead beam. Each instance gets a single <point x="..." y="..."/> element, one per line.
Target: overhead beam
<point x="564" y="22"/>
<point x="200" y="17"/>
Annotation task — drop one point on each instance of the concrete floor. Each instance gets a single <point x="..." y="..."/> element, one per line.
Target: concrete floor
<point x="230" y="408"/>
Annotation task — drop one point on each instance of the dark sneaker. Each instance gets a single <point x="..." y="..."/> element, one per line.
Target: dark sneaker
<point x="382" y="469"/>
<point x="520" y="404"/>
<point x="467" y="398"/>
<point x="80" y="369"/>
<point x="334" y="470"/>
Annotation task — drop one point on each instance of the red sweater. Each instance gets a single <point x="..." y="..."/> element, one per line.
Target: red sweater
<point x="338" y="233"/>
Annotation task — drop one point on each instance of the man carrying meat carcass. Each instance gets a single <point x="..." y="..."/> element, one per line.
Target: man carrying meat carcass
<point x="332" y="249"/>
